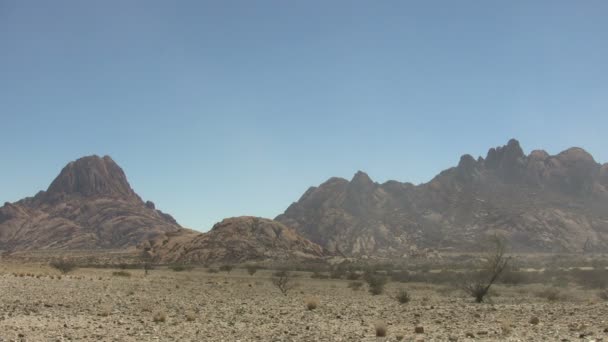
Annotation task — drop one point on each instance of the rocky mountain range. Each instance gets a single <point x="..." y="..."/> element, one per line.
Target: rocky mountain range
<point x="90" y="205"/>
<point x="539" y="202"/>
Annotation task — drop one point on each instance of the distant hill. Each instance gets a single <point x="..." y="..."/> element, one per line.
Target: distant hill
<point x="90" y="205"/>
<point x="234" y="240"/>
<point x="541" y="203"/>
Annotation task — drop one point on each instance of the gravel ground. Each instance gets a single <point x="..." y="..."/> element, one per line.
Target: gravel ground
<point x="94" y="305"/>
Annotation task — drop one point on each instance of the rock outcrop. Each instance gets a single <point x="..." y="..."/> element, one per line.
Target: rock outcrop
<point x="233" y="240"/>
<point x="538" y="201"/>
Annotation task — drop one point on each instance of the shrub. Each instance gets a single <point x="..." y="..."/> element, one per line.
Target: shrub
<point x="403" y="296"/>
<point x="353" y="276"/>
<point x="479" y="285"/>
<point x="596" y="278"/>
<point x="376" y="283"/>
<point x="180" y="268"/>
<point x="159" y="317"/>
<point x="380" y="329"/>
<point x="551" y="294"/>
<point x="355" y="285"/>
<point x="312" y="303"/>
<point x="190" y="316"/>
<point x="337" y="273"/>
<point x="121" y="274"/>
<point x="283" y="281"/>
<point x="317" y="275"/>
<point x="226" y="268"/>
<point x="64" y="266"/>
<point x="252" y="269"/>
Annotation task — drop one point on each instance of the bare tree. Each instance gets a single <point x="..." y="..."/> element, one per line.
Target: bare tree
<point x="283" y="281"/>
<point x="496" y="263"/>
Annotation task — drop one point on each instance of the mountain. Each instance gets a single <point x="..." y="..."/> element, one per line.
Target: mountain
<point x="539" y="202"/>
<point x="233" y="240"/>
<point x="89" y="205"/>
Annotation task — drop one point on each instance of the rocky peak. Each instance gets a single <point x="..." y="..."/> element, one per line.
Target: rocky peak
<point x="92" y="176"/>
<point x="362" y="182"/>
<point x="508" y="160"/>
<point x="467" y="167"/>
<point x="508" y="154"/>
<point x="576" y="155"/>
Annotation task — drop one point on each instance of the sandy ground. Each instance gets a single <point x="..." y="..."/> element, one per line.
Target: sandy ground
<point x="94" y="305"/>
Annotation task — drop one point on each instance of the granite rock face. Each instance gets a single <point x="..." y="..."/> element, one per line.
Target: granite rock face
<point x="234" y="240"/>
<point x="539" y="202"/>
<point x="89" y="205"/>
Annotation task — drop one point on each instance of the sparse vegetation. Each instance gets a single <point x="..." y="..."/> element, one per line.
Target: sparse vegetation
<point x="181" y="268"/>
<point x="121" y="274"/>
<point x="312" y="303"/>
<point x="64" y="266"/>
<point x="381" y="329"/>
<point x="403" y="296"/>
<point x="551" y="294"/>
<point x="375" y="282"/>
<point x="283" y="281"/>
<point x="190" y="316"/>
<point x="355" y="285"/>
<point x="159" y="317"/>
<point x="226" y="268"/>
<point x="479" y="285"/>
<point x="252" y="269"/>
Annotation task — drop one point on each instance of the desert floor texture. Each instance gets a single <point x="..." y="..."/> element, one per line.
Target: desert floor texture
<point x="37" y="304"/>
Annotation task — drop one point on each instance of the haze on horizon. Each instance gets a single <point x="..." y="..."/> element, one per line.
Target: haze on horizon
<point x="219" y="109"/>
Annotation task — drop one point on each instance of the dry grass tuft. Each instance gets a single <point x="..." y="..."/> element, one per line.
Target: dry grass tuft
<point x="159" y="317"/>
<point x="381" y="329"/>
<point x="190" y="316"/>
<point x="312" y="303"/>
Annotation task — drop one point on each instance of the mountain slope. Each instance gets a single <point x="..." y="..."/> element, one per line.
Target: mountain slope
<point x="236" y="239"/>
<point x="540" y="202"/>
<point x="89" y="205"/>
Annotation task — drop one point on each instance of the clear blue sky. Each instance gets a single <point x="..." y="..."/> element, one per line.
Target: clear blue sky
<point x="226" y="108"/>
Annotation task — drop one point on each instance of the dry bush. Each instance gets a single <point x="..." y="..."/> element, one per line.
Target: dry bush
<point x="190" y="316"/>
<point x="226" y="268"/>
<point x="159" y="317"/>
<point x="355" y="285"/>
<point x="596" y="278"/>
<point x="479" y="285"/>
<point x="180" y="268"/>
<point x="64" y="266"/>
<point x="105" y="311"/>
<point x="381" y="329"/>
<point x="121" y="274"/>
<point x="252" y="269"/>
<point x="375" y="282"/>
<point x="550" y="293"/>
<point x="283" y="280"/>
<point x="403" y="296"/>
<point x="312" y="303"/>
<point x="317" y="275"/>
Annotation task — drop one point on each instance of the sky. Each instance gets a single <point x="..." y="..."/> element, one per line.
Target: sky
<point x="226" y="108"/>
